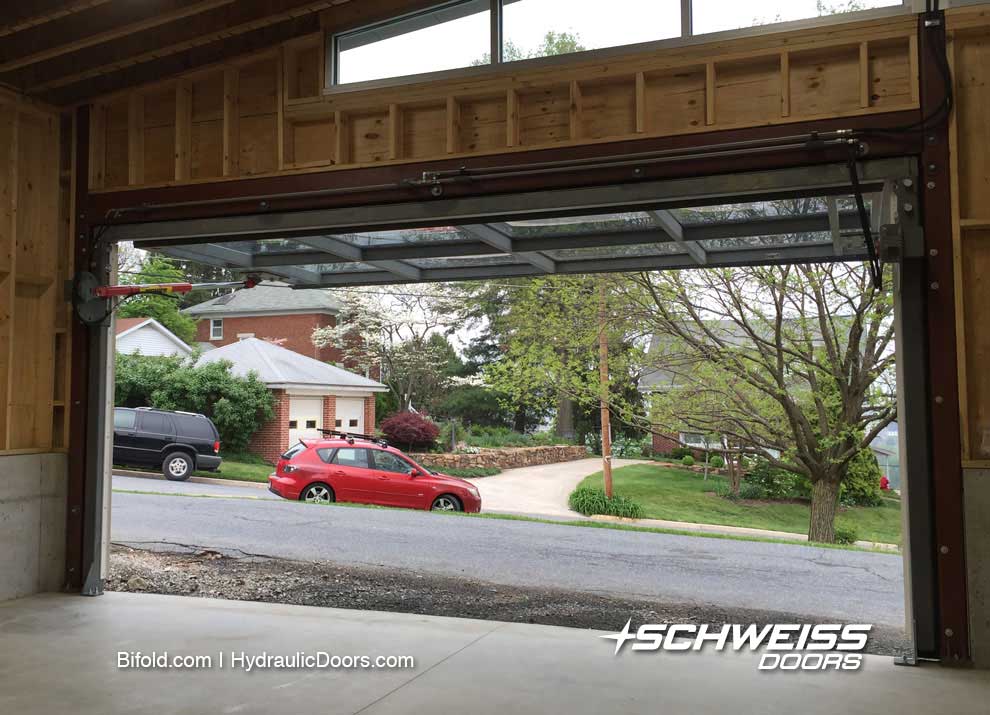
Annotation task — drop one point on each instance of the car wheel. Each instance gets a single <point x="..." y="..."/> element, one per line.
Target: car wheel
<point x="446" y="502"/>
<point x="318" y="494"/>
<point x="177" y="466"/>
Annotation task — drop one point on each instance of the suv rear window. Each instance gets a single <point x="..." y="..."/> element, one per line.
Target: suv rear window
<point x="198" y="427"/>
<point x="155" y="423"/>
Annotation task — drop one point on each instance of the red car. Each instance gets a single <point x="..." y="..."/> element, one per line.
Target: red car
<point x="366" y="471"/>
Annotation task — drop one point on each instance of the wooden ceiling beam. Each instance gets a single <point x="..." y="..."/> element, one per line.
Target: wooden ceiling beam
<point x="212" y="26"/>
<point x="95" y="26"/>
<point x="39" y="12"/>
<point x="175" y="64"/>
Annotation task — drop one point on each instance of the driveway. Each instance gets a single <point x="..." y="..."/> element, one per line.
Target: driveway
<point x="541" y="490"/>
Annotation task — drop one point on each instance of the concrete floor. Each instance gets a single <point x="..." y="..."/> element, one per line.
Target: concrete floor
<point x="58" y="654"/>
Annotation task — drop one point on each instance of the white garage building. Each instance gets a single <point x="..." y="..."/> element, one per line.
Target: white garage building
<point x="310" y="395"/>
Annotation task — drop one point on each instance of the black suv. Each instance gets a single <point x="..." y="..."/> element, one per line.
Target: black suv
<point x="178" y="442"/>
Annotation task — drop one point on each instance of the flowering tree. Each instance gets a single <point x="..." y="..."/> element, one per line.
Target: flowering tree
<point x="396" y="330"/>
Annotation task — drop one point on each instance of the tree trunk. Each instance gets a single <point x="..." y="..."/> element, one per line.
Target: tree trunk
<point x="824" y="504"/>
<point x="565" y="417"/>
<point x="734" y="473"/>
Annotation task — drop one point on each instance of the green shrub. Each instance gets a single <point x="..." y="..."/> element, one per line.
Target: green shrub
<point x="474" y="404"/>
<point x="466" y="472"/>
<point x="717" y="462"/>
<point x="766" y="482"/>
<point x="861" y="486"/>
<point x="591" y="500"/>
<point x="687" y="460"/>
<point x="724" y="489"/>
<point x="628" y="447"/>
<point x="681" y="452"/>
<point x="238" y="406"/>
<point x="846" y="534"/>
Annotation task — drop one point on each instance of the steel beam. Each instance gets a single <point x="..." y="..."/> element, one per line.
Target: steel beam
<point x="675" y="193"/>
<point x="338" y="249"/>
<point x="505" y="244"/>
<point x="220" y="255"/>
<point x="673" y="228"/>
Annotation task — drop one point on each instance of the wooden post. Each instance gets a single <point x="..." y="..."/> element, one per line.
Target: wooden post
<point x="603" y="377"/>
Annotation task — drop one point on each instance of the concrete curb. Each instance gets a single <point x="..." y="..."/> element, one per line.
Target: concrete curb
<point x="729" y="530"/>
<point x="195" y="480"/>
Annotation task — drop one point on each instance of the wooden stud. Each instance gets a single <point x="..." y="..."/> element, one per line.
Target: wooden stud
<point x="640" y="102"/>
<point x="231" y="123"/>
<point x="98" y="146"/>
<point x="453" y="125"/>
<point x="342" y="143"/>
<point x="785" y="84"/>
<point x="135" y="139"/>
<point x="394" y="131"/>
<point x="183" y="130"/>
<point x="10" y="297"/>
<point x="575" y="110"/>
<point x="280" y="110"/>
<point x="913" y="74"/>
<point x="864" y="75"/>
<point x="710" y="93"/>
<point x="511" y="118"/>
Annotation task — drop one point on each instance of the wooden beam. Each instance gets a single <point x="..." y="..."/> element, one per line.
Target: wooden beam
<point x="183" y="130"/>
<point x="341" y="152"/>
<point x="864" y="75"/>
<point x="38" y="12"/>
<point x="394" y="131"/>
<point x="115" y="23"/>
<point x="231" y="122"/>
<point x="219" y="24"/>
<point x="785" y="84"/>
<point x="913" y="65"/>
<point x="453" y="124"/>
<point x="710" y="93"/>
<point x="174" y="64"/>
<point x="511" y="117"/>
<point x="575" y="110"/>
<point x="640" y="102"/>
<point x="135" y="139"/>
<point x="98" y="146"/>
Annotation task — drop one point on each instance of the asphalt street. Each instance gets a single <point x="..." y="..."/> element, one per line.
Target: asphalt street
<point x="834" y="583"/>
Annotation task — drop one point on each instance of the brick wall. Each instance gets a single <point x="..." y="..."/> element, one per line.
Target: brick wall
<point x="295" y="329"/>
<point x="329" y="412"/>
<point x="662" y="444"/>
<point x="369" y="414"/>
<point x="272" y="439"/>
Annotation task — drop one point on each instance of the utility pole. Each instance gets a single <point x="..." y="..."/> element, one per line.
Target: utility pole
<point x="603" y="378"/>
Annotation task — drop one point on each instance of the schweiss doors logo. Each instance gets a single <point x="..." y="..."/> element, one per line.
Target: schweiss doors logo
<point x="784" y="646"/>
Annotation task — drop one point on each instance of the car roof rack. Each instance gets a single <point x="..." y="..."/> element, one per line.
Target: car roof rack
<point x="351" y="436"/>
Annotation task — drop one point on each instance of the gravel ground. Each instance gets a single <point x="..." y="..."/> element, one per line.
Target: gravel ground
<point x="210" y="574"/>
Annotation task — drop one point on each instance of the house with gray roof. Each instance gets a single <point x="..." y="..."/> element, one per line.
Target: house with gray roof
<point x="310" y="395"/>
<point x="270" y="311"/>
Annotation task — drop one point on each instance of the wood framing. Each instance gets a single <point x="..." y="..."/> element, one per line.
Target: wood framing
<point x="287" y="123"/>
<point x="35" y="214"/>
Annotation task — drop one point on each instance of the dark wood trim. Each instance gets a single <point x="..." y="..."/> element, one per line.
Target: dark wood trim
<point x="79" y="383"/>
<point x="235" y="191"/>
<point x="943" y="375"/>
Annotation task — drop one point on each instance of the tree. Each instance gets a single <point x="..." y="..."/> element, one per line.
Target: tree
<point x="554" y="43"/>
<point x="395" y="331"/>
<point x="792" y="363"/>
<point x="163" y="308"/>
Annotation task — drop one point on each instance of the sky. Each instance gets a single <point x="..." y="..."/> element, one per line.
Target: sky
<point x="597" y="24"/>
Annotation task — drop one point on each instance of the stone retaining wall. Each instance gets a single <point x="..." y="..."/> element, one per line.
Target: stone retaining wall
<point x="504" y="458"/>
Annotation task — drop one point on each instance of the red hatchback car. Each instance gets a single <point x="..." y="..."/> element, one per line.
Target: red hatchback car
<point x="366" y="471"/>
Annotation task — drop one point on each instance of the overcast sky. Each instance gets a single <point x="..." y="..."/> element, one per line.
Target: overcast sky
<point x="597" y="24"/>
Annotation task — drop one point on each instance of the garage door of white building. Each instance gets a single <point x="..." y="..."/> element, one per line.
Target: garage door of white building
<point x="305" y="418"/>
<point x="350" y="414"/>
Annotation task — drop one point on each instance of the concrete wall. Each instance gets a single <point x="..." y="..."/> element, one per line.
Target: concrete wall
<point x="976" y="489"/>
<point x="32" y="523"/>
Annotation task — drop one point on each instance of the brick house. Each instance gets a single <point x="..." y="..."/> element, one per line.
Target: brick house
<point x="310" y="395"/>
<point x="270" y="311"/>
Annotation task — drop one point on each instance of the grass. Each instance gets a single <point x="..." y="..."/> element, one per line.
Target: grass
<point x="538" y="520"/>
<point x="238" y="467"/>
<point x="679" y="495"/>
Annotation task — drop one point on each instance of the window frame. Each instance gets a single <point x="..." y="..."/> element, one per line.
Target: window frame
<point x="496" y="42"/>
<point x="213" y="328"/>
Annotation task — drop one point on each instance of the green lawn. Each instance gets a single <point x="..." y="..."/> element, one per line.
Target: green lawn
<point x="242" y="467"/>
<point x="680" y="495"/>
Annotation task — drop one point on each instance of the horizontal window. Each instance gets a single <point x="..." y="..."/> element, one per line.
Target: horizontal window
<point x="718" y="15"/>
<point x="460" y="33"/>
